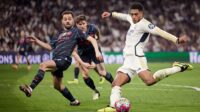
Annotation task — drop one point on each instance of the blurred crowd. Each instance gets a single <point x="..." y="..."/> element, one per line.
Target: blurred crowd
<point x="42" y="19"/>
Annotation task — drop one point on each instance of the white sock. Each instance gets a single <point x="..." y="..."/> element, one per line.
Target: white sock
<point x="115" y="95"/>
<point x="30" y="88"/>
<point x="161" y="74"/>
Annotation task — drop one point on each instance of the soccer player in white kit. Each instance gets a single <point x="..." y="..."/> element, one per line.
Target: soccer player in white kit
<point x="134" y="60"/>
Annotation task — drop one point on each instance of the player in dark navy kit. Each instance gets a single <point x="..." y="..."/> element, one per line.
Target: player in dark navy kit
<point x="62" y="47"/>
<point x="76" y="74"/>
<point x="23" y="49"/>
<point x="87" y="53"/>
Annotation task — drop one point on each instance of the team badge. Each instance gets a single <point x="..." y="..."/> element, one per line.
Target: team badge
<point x="151" y="26"/>
<point x="69" y="33"/>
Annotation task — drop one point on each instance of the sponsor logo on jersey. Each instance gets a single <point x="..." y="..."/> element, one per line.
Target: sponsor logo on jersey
<point x="130" y="32"/>
<point x="64" y="36"/>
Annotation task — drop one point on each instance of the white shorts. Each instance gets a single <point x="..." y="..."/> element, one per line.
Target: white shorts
<point x="133" y="65"/>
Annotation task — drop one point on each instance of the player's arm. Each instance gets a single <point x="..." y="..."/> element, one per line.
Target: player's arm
<point x="79" y="60"/>
<point x="149" y="27"/>
<point x="120" y="16"/>
<point x="171" y="37"/>
<point x="76" y="56"/>
<point x="95" y="45"/>
<point x="40" y="43"/>
<point x="93" y="42"/>
<point x="165" y="35"/>
<point x="98" y="34"/>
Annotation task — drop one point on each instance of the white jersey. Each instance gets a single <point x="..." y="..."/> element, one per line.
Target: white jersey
<point x="138" y="34"/>
<point x="136" y="38"/>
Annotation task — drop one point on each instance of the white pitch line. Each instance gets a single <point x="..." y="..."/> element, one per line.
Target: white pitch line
<point x="145" y="89"/>
<point x="182" y="86"/>
<point x="177" y="86"/>
<point x="163" y="89"/>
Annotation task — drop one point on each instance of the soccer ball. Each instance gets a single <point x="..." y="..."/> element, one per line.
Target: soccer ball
<point x="122" y="105"/>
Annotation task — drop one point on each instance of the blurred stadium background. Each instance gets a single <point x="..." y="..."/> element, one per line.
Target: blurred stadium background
<point x="41" y="18"/>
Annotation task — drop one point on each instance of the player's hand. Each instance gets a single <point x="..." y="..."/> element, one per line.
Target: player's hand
<point x="87" y="65"/>
<point x="183" y="39"/>
<point x="32" y="39"/>
<point x="105" y="14"/>
<point x="93" y="65"/>
<point x="99" y="56"/>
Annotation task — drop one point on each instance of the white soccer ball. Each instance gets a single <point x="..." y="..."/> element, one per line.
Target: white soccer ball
<point x="122" y="105"/>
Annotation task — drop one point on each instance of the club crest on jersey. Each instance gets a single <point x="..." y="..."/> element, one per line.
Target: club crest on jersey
<point x="69" y="33"/>
<point x="151" y="26"/>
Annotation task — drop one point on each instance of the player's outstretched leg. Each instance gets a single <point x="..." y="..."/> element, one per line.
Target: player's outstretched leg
<point x="26" y="89"/>
<point x="115" y="95"/>
<point x="183" y="66"/>
<point x="109" y="77"/>
<point x="120" y="79"/>
<point x="57" y="79"/>
<point x="176" y="67"/>
<point x="100" y="69"/>
<point x="37" y="79"/>
<point x="90" y="83"/>
<point x="75" y="103"/>
<point x="67" y="94"/>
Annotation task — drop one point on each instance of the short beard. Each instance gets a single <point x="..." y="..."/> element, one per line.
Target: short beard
<point x="67" y="27"/>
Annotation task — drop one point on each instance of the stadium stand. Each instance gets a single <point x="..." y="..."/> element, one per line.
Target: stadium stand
<point x="40" y="18"/>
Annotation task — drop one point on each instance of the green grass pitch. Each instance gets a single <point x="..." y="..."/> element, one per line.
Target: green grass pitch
<point x="176" y="93"/>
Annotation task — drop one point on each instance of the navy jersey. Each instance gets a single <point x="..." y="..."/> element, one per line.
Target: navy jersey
<point x="22" y="45"/>
<point x="65" y="41"/>
<point x="85" y="45"/>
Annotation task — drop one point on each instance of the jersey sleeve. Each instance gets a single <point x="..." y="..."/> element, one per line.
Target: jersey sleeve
<point x="152" y="29"/>
<point x="53" y="41"/>
<point x="93" y="30"/>
<point x="97" y="34"/>
<point x="122" y="16"/>
<point x="81" y="35"/>
<point x="147" y="26"/>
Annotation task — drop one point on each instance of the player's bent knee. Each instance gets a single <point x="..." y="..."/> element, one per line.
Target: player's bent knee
<point x="42" y="67"/>
<point x="102" y="72"/>
<point x="149" y="82"/>
<point x="85" y="75"/>
<point x="114" y="84"/>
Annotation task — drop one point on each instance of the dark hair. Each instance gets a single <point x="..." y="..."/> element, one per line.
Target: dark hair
<point x="137" y="5"/>
<point x="80" y="18"/>
<point x="66" y="12"/>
